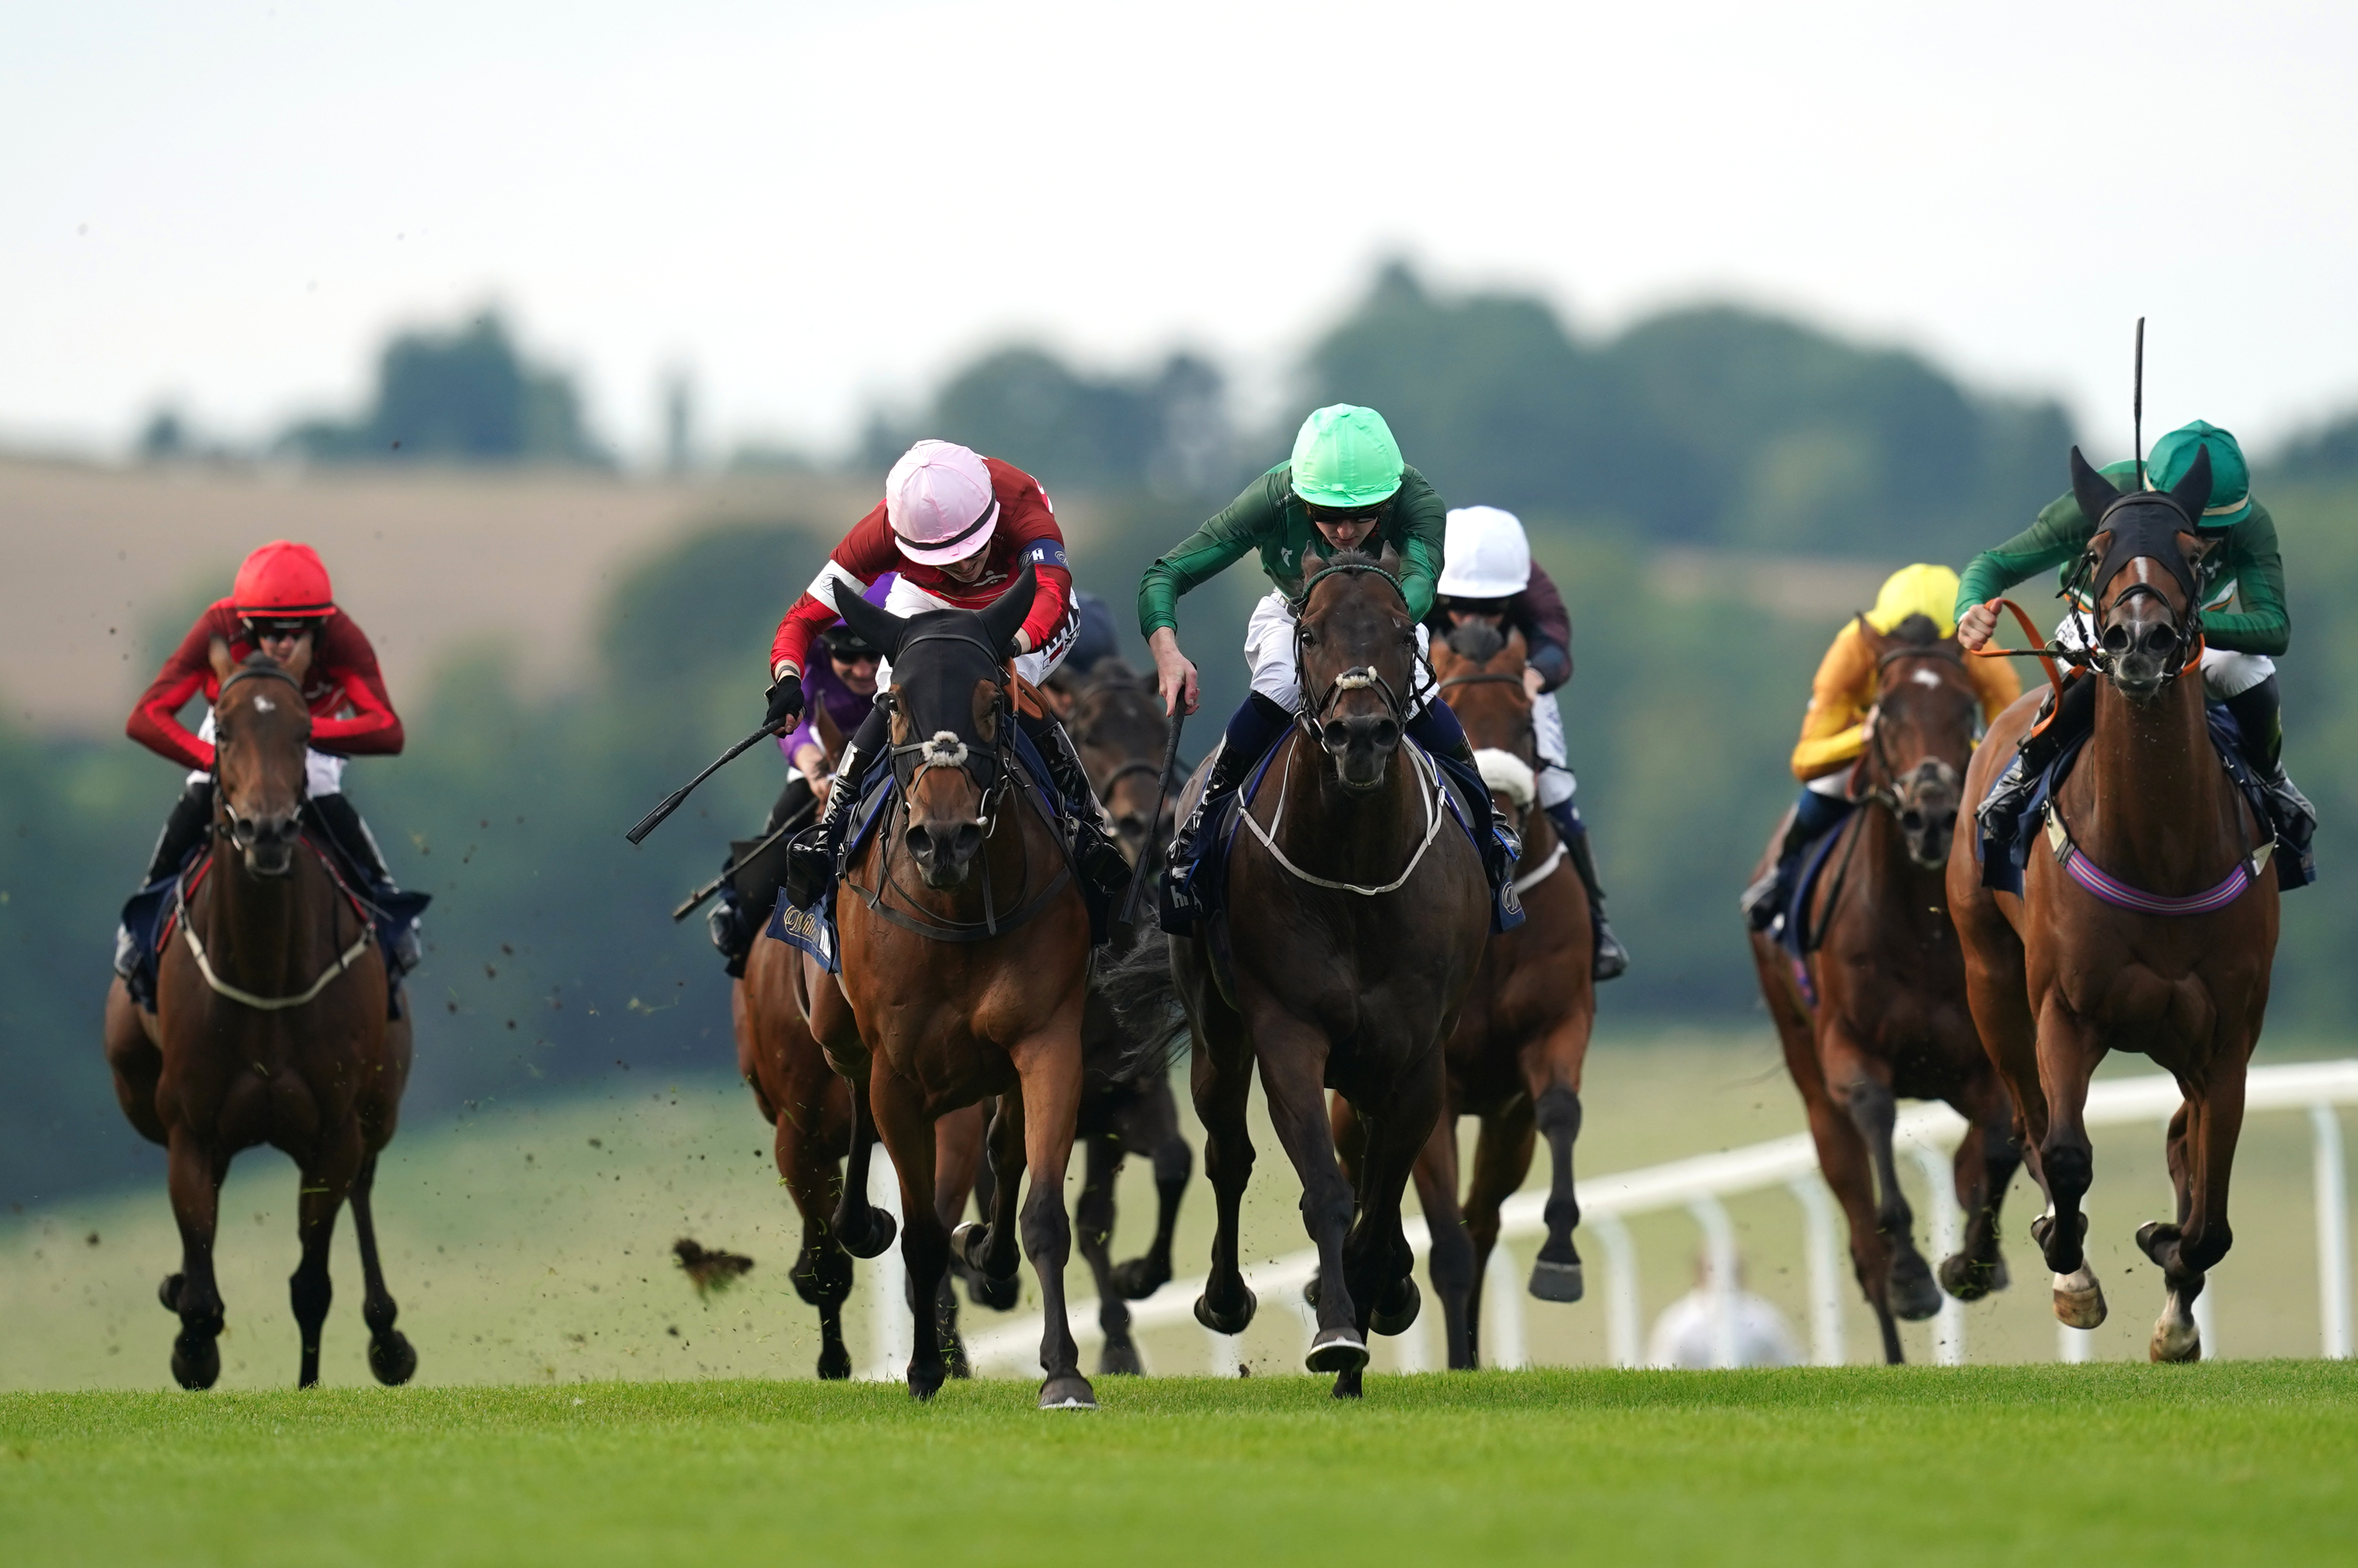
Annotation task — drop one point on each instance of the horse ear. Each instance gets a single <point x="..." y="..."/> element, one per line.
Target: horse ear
<point x="2093" y="491"/>
<point x="1003" y="617"/>
<point x="224" y="665"/>
<point x="2192" y="493"/>
<point x="299" y="664"/>
<point x="1313" y="563"/>
<point x="1388" y="559"/>
<point x="1868" y="633"/>
<point x="881" y="627"/>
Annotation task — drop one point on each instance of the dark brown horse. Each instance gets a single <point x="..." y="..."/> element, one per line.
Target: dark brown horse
<point x="2148" y="916"/>
<point x="809" y="1107"/>
<point x="1117" y="724"/>
<point x="1514" y="1059"/>
<point x="1356" y="915"/>
<point x="1890" y="1018"/>
<point x="269" y="1028"/>
<point x="964" y="953"/>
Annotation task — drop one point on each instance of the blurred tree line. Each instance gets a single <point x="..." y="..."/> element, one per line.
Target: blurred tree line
<point x="551" y="960"/>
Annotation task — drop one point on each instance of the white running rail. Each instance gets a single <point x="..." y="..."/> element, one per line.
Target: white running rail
<point x="1927" y="1132"/>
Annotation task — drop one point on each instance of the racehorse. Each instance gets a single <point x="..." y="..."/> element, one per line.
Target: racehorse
<point x="269" y="1028"/>
<point x="1882" y="1012"/>
<point x="2148" y="924"/>
<point x="1117" y="724"/>
<point x="1356" y="917"/>
<point x="1515" y="1057"/>
<point x="968" y="983"/>
<point x="809" y="1107"/>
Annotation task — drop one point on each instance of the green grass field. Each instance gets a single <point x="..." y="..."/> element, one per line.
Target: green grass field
<point x="2235" y="1463"/>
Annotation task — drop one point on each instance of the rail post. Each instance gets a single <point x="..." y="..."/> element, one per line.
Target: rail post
<point x="1825" y="1274"/>
<point x="895" y="1330"/>
<point x="1621" y="1289"/>
<point x="1721" y="1285"/>
<point x="1503" y="1302"/>
<point x="2332" y="1235"/>
<point x="1948" y="1234"/>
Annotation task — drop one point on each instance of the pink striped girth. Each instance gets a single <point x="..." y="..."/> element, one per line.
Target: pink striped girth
<point x="2121" y="895"/>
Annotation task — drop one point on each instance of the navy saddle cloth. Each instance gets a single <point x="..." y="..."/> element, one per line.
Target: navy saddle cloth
<point x="2004" y="846"/>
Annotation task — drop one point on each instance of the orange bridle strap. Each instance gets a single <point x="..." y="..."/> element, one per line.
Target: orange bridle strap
<point x="2023" y="621"/>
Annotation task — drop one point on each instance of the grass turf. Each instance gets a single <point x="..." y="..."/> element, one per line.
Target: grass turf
<point x="2228" y="1463"/>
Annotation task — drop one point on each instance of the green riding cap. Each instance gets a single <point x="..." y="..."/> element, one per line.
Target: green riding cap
<point x="1345" y="457"/>
<point x="2231" y="479"/>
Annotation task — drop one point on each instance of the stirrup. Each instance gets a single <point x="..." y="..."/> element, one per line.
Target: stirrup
<point x="810" y="865"/>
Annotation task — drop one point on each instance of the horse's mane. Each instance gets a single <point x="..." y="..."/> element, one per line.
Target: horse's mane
<point x="1476" y="640"/>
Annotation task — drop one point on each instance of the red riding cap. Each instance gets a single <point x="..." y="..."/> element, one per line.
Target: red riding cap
<point x="283" y="578"/>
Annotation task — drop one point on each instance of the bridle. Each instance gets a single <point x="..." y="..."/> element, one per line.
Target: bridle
<point x="268" y="670"/>
<point x="1312" y="715"/>
<point x="2132" y="540"/>
<point x="1885" y="787"/>
<point x="1499" y="677"/>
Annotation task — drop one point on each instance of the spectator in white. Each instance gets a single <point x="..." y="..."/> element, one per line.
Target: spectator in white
<point x="1687" y="1335"/>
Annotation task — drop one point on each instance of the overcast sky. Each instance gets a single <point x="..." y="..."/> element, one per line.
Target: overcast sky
<point x="812" y="207"/>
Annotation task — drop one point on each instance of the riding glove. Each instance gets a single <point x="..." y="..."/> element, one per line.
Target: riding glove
<point x="786" y="701"/>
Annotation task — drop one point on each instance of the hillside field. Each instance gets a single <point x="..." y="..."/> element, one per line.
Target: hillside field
<point x="2231" y="1464"/>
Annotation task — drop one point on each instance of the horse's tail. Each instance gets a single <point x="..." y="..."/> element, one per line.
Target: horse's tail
<point x="1145" y="1002"/>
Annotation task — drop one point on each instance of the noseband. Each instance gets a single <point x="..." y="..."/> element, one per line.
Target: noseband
<point x="986" y="766"/>
<point x="2148" y="531"/>
<point x="267" y="670"/>
<point x="1313" y="715"/>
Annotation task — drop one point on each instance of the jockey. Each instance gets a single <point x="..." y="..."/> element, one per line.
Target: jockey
<point x="1834" y="728"/>
<point x="281" y="600"/>
<point x="1344" y="485"/>
<point x="2238" y="664"/>
<point x="842" y="684"/>
<point x="958" y="529"/>
<point x="1488" y="575"/>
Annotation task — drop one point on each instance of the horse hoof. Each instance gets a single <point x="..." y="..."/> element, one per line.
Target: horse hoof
<point x="1969" y="1280"/>
<point x="196" y="1361"/>
<point x="1347" y="1386"/>
<point x="1227" y="1322"/>
<point x="1914" y="1296"/>
<point x="1067" y="1391"/>
<point x="834" y="1364"/>
<point x="2042" y="1234"/>
<point x="391" y="1357"/>
<point x="1141" y="1278"/>
<point x="1337" y="1350"/>
<point x="169" y="1293"/>
<point x="1119" y="1358"/>
<point x="869" y="1239"/>
<point x="1557" y="1282"/>
<point x="1394" y="1314"/>
<point x="969" y="1244"/>
<point x="924" y="1382"/>
<point x="2154" y="1236"/>
<point x="2175" y="1340"/>
<point x="2079" y="1300"/>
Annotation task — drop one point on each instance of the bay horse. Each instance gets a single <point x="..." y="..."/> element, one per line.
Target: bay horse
<point x="1117" y="725"/>
<point x="1882" y="1015"/>
<point x="269" y="1027"/>
<point x="1515" y="1058"/>
<point x="2147" y="920"/>
<point x="970" y="982"/>
<point x="1356" y="917"/>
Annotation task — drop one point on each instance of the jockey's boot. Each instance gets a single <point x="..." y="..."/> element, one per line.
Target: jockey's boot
<point x="1437" y="730"/>
<point x="1764" y="902"/>
<point x="1252" y="729"/>
<point x="2061" y="720"/>
<point x="337" y="820"/>
<point x="1609" y="960"/>
<point x="191" y="818"/>
<point x="1101" y="861"/>
<point x="2259" y="715"/>
<point x="812" y="854"/>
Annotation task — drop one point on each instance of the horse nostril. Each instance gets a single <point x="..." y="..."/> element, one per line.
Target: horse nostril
<point x="920" y="842"/>
<point x="1912" y="820"/>
<point x="1385" y="735"/>
<point x="2117" y="640"/>
<point x="2161" y="639"/>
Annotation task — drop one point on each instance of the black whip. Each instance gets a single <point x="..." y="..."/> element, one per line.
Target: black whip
<point x="672" y="802"/>
<point x="2136" y="406"/>
<point x="1169" y="769"/>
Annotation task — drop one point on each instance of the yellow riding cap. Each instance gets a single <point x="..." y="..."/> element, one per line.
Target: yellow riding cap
<point x="1832" y="732"/>
<point x="1927" y="591"/>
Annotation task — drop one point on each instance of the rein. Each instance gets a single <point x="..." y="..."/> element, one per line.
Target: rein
<point x="1358" y="678"/>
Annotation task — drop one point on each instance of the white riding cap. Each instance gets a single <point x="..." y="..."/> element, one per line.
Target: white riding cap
<point x="1484" y="555"/>
<point x="938" y="498"/>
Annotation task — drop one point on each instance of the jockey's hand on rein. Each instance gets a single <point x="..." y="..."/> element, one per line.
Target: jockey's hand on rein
<point x="786" y="701"/>
<point x="1975" y="626"/>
